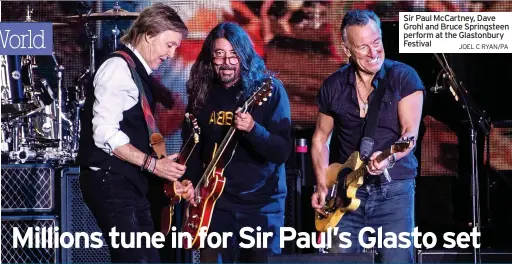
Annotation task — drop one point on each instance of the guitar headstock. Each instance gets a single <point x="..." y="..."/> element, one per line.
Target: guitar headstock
<point x="191" y="119"/>
<point x="260" y="96"/>
<point x="402" y="145"/>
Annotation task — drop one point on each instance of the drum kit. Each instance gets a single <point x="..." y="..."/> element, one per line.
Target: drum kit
<point x="40" y="123"/>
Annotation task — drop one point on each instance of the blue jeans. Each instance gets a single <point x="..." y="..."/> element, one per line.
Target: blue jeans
<point x="224" y="221"/>
<point x="389" y="206"/>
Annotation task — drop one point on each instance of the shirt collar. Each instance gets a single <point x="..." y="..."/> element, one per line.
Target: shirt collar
<point x="146" y="66"/>
<point x="375" y="82"/>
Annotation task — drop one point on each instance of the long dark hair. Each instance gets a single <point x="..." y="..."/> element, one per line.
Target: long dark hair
<point x="202" y="75"/>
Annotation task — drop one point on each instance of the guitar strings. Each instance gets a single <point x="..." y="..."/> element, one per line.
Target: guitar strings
<point x="222" y="146"/>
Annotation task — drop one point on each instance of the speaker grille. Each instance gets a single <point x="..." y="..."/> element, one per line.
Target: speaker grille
<point x="457" y="256"/>
<point x="196" y="256"/>
<point x="76" y="217"/>
<point x="292" y="209"/>
<point x="24" y="254"/>
<point x="27" y="188"/>
<point x="324" y="258"/>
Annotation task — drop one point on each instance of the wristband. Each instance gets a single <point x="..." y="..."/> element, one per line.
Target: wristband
<point x="153" y="165"/>
<point x="144" y="163"/>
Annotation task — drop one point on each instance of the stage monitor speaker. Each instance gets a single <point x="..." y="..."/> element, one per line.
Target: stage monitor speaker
<point x="324" y="258"/>
<point x="76" y="217"/>
<point x="24" y="249"/>
<point x="292" y="206"/>
<point x="27" y="188"/>
<point x="454" y="256"/>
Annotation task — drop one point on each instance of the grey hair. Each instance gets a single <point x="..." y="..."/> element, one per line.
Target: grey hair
<point x="357" y="18"/>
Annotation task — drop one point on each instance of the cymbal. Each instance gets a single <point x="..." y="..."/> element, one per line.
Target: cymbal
<point x="111" y="14"/>
<point x="55" y="24"/>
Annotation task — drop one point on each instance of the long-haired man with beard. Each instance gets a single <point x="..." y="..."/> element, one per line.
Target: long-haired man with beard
<point x="227" y="72"/>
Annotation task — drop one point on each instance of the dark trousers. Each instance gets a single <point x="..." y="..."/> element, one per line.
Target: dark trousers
<point x="116" y="202"/>
<point x="224" y="221"/>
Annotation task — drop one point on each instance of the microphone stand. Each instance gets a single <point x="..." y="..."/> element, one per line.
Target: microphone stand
<point x="483" y="123"/>
<point x="92" y="38"/>
<point x="59" y="68"/>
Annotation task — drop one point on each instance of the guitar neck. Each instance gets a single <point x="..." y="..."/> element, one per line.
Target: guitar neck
<point x="186" y="150"/>
<point x="384" y="155"/>
<point x="256" y="98"/>
<point x="218" y="153"/>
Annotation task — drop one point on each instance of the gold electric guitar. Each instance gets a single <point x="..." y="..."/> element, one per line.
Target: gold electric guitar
<point x="343" y="181"/>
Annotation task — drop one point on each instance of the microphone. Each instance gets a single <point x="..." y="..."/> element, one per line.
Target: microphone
<point x="436" y="88"/>
<point x="444" y="83"/>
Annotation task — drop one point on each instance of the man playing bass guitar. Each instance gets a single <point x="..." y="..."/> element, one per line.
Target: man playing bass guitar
<point x="226" y="73"/>
<point x="345" y="98"/>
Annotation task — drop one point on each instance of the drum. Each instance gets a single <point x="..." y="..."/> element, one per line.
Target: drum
<point x="13" y="136"/>
<point x="16" y="80"/>
<point x="44" y="127"/>
<point x="12" y="86"/>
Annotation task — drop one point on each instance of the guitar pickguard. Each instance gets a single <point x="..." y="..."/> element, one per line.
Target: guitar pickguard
<point x="343" y="181"/>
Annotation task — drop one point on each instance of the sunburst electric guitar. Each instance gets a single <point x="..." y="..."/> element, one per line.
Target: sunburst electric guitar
<point x="170" y="191"/>
<point x="343" y="181"/>
<point x="211" y="184"/>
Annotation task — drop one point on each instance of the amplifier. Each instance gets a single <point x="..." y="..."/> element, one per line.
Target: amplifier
<point x="459" y="256"/>
<point x="27" y="188"/>
<point x="324" y="258"/>
<point x="292" y="210"/>
<point x="27" y="253"/>
<point x="76" y="217"/>
<point x="196" y="256"/>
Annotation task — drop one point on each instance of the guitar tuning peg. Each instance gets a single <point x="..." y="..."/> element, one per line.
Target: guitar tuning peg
<point x="260" y="103"/>
<point x="269" y="94"/>
<point x="265" y="99"/>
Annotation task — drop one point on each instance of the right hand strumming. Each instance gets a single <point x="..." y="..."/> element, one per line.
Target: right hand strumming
<point x="318" y="199"/>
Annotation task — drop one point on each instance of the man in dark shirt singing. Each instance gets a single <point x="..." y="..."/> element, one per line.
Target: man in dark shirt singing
<point x="387" y="195"/>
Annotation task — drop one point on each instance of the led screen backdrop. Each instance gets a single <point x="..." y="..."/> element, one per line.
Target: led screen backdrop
<point x="299" y="41"/>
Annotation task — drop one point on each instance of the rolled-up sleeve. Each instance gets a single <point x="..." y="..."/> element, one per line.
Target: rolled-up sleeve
<point x="115" y="91"/>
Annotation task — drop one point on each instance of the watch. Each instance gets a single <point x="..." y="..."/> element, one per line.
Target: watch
<point x="392" y="160"/>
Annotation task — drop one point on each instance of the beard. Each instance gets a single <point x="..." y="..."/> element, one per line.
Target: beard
<point x="227" y="78"/>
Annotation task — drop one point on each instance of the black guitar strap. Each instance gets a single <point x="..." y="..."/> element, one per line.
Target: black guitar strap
<point x="371" y="121"/>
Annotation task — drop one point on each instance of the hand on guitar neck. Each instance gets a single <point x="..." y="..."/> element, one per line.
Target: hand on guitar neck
<point x="335" y="193"/>
<point x="380" y="160"/>
<point x="244" y="121"/>
<point x="168" y="168"/>
<point x="175" y="190"/>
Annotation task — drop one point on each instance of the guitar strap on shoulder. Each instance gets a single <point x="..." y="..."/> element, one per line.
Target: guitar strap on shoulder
<point x="371" y="121"/>
<point x="155" y="138"/>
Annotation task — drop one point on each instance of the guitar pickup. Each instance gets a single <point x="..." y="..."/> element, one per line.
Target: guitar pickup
<point x="333" y="190"/>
